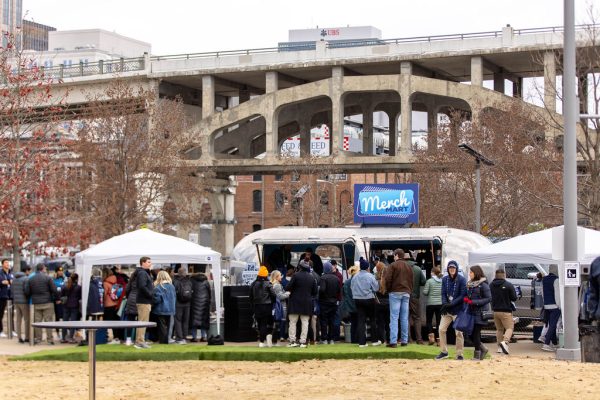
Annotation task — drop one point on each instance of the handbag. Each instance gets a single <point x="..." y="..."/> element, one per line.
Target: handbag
<point x="464" y="321"/>
<point x="278" y="310"/>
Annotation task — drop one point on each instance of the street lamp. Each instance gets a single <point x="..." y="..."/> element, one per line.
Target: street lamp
<point x="479" y="158"/>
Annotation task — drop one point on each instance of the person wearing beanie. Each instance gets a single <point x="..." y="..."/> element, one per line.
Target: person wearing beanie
<point x="364" y="285"/>
<point x="302" y="287"/>
<point x="399" y="282"/>
<point x="184" y="293"/>
<point x="329" y="290"/>
<point x="454" y="289"/>
<point x="262" y="297"/>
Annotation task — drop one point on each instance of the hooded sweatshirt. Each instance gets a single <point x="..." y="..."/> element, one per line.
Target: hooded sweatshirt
<point x="433" y="291"/>
<point x="503" y="292"/>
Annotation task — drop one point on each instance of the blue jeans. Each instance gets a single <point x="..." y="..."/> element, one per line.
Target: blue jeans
<point x="399" y="302"/>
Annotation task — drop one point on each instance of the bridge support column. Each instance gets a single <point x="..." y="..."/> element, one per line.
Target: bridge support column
<point x="518" y="88"/>
<point x="432" y="125"/>
<point x="499" y="82"/>
<point x="271" y="130"/>
<point x="550" y="81"/>
<point x="337" y="110"/>
<point x="305" y="136"/>
<point x="244" y="95"/>
<point x="271" y="82"/>
<point x="222" y="201"/>
<point x="392" y="113"/>
<point x="405" y="107"/>
<point x="208" y="95"/>
<point x="477" y="71"/>
<point x="367" y="118"/>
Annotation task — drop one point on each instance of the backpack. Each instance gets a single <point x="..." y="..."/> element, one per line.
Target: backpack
<point x="184" y="294"/>
<point x="116" y="292"/>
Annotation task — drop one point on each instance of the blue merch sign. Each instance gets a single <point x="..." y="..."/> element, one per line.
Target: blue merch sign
<point x="392" y="204"/>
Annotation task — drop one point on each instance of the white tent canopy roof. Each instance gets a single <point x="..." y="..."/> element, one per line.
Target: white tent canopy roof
<point x="543" y="247"/>
<point x="162" y="249"/>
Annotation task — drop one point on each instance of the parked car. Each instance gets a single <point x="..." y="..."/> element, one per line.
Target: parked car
<point x="521" y="275"/>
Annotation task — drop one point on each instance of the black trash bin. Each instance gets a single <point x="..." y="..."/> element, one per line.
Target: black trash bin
<point x="589" y="336"/>
<point x="238" y="314"/>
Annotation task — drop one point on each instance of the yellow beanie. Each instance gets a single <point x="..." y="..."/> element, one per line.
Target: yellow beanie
<point x="263" y="272"/>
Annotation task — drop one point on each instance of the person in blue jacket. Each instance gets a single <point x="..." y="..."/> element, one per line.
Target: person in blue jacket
<point x="454" y="289"/>
<point x="163" y="304"/>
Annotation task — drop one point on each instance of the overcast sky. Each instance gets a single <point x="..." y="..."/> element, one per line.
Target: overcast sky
<point x="186" y="26"/>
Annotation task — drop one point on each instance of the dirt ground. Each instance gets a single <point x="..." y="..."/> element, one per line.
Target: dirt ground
<point x="500" y="378"/>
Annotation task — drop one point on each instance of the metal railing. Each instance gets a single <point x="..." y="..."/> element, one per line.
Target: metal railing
<point x="138" y="63"/>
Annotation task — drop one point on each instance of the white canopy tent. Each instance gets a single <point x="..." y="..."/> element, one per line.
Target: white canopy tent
<point x="543" y="247"/>
<point x="162" y="249"/>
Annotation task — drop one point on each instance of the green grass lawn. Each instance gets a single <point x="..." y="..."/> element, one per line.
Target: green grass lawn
<point x="236" y="353"/>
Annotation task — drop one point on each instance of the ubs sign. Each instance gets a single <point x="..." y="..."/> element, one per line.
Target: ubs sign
<point x="392" y="204"/>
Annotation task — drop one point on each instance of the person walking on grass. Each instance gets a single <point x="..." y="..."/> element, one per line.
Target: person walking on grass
<point x="503" y="294"/>
<point x="454" y="289"/>
<point x="262" y="297"/>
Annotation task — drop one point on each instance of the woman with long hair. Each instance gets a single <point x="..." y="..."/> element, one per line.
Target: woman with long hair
<point x="163" y="304"/>
<point x="478" y="297"/>
<point x="280" y="326"/>
<point x="433" y="291"/>
<point x="72" y="292"/>
<point x="382" y="308"/>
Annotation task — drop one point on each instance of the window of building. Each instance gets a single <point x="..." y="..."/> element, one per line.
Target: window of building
<point x="295" y="177"/>
<point x="257" y="201"/>
<point x="256" y="227"/>
<point x="279" y="200"/>
<point x="324" y="199"/>
<point x="256" y="178"/>
<point x="278" y="178"/>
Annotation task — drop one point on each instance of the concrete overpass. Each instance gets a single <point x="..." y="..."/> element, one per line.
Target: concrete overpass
<point x="246" y="103"/>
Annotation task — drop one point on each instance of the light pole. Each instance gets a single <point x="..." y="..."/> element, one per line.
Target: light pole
<point x="333" y="214"/>
<point x="479" y="158"/>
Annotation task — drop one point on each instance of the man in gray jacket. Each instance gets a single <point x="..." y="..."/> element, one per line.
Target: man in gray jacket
<point x="21" y="303"/>
<point x="42" y="291"/>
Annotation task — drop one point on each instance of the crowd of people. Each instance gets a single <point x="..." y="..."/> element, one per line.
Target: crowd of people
<point x="178" y="302"/>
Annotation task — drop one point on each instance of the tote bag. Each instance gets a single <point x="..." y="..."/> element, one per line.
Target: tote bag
<point x="464" y="321"/>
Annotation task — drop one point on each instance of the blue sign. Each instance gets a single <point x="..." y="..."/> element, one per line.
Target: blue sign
<point x="393" y="204"/>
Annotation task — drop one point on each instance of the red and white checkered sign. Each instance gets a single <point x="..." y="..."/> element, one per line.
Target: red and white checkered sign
<point x="346" y="143"/>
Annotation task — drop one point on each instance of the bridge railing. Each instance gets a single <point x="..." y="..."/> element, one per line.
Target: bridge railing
<point x="96" y="68"/>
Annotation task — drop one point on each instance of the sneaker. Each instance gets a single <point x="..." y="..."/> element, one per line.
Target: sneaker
<point x="504" y="347"/>
<point x="441" y="356"/>
<point x="128" y="342"/>
<point x="548" y="347"/>
<point x="115" y="341"/>
<point x="541" y="339"/>
<point x="182" y="341"/>
<point x="142" y="345"/>
<point x="303" y="345"/>
<point x="292" y="344"/>
<point x="332" y="342"/>
<point x="499" y="350"/>
<point x="403" y="344"/>
<point x="21" y="340"/>
<point x="171" y="341"/>
<point x="51" y="342"/>
<point x="391" y="345"/>
<point x="419" y="341"/>
<point x="459" y="358"/>
<point x="377" y="343"/>
<point x="194" y="341"/>
<point x="323" y="342"/>
<point x="269" y="340"/>
<point x="363" y="345"/>
<point x="261" y="344"/>
<point x="2" y="335"/>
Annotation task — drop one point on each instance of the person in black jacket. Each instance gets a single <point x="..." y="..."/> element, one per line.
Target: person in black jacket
<point x="503" y="293"/>
<point x="329" y="291"/>
<point x="143" y="299"/>
<point x="184" y="292"/>
<point x="200" y="307"/>
<point x="478" y="297"/>
<point x="302" y="288"/>
<point x="42" y="290"/>
<point x="262" y="297"/>
<point x="21" y="303"/>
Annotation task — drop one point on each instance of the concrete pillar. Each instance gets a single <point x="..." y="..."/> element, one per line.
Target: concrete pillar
<point x="208" y="95"/>
<point x="405" y="107"/>
<point x="367" y="117"/>
<point x="337" y="109"/>
<point x="222" y="201"/>
<point x="271" y="81"/>
<point x="305" y="136"/>
<point x="432" y="125"/>
<point x="499" y="82"/>
<point x="393" y="131"/>
<point x="477" y="71"/>
<point x="550" y="81"/>
<point x="271" y="130"/>
<point x="583" y="92"/>
<point x="244" y="95"/>
<point x="518" y="88"/>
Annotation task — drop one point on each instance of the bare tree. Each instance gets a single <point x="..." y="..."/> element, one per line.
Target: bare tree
<point x="130" y="150"/>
